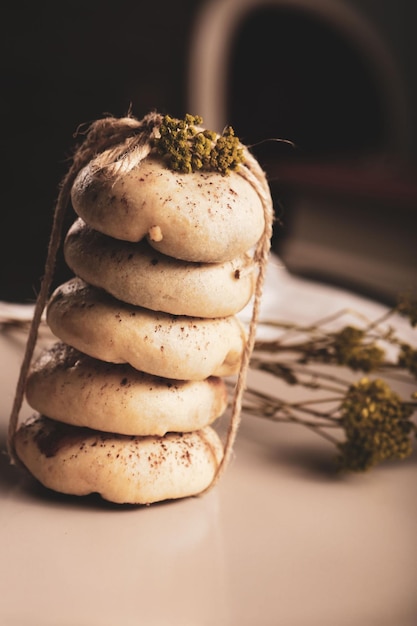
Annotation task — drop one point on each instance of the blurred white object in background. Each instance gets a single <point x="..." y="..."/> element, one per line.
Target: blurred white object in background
<point x="347" y="194"/>
<point x="211" y="50"/>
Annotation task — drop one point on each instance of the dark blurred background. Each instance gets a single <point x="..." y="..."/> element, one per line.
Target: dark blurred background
<point x="336" y="78"/>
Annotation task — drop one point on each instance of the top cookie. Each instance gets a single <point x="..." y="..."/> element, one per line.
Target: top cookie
<point x="199" y="216"/>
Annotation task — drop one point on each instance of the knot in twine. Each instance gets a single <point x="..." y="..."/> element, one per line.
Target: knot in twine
<point x="117" y="145"/>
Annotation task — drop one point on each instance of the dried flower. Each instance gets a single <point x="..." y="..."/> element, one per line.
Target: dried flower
<point x="351" y="349"/>
<point x="376" y="424"/>
<point x="371" y="421"/>
<point x="188" y="148"/>
<point x="407" y="306"/>
<point x="407" y="358"/>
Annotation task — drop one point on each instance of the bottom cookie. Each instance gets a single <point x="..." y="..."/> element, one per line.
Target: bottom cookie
<point x="122" y="469"/>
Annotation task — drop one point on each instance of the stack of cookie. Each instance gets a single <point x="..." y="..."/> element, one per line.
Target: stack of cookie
<point x="146" y="331"/>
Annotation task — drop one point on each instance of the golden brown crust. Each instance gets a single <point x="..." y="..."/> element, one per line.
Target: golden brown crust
<point x="69" y="386"/>
<point x="122" y="469"/>
<point x="203" y="216"/>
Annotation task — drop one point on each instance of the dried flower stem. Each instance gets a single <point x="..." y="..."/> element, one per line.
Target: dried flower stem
<point x="376" y="422"/>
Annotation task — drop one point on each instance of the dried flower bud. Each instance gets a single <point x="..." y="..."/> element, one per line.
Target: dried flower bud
<point x="350" y="349"/>
<point x="188" y="148"/>
<point x="407" y="306"/>
<point x="407" y="359"/>
<point x="377" y="426"/>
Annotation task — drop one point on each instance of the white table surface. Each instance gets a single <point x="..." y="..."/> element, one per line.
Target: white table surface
<point x="280" y="541"/>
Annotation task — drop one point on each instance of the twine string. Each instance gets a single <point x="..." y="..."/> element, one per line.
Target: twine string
<point x="117" y="145"/>
<point x="118" y="137"/>
<point x="252" y="172"/>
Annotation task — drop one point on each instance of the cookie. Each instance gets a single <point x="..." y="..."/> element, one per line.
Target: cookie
<point x="122" y="469"/>
<point x="71" y="387"/>
<point x="137" y="274"/>
<point x="177" y="347"/>
<point x="205" y="216"/>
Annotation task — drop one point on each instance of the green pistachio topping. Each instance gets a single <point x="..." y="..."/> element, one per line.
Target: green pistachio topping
<point x="188" y="148"/>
